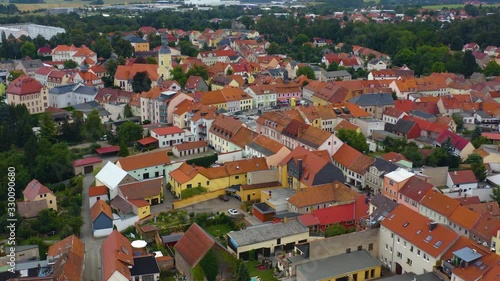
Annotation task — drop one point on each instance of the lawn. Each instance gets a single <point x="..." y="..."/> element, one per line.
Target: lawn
<point x="265" y="275"/>
<point x="218" y="229"/>
<point x="171" y="221"/>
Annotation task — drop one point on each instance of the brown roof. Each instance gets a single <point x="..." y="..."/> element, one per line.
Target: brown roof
<point x="214" y="172"/>
<point x="268" y="143"/>
<point x="30" y="209"/>
<point x="415" y="188"/>
<point x="224" y="126"/>
<point x="486" y="208"/>
<point x="260" y="185"/>
<point x="144" y="160"/>
<point x="191" y="145"/>
<point x="184" y="173"/>
<point x="464" y="217"/>
<point x="116" y="255"/>
<point x="71" y="263"/>
<point x="246" y="165"/>
<point x="127" y="72"/>
<point x="414" y="228"/>
<point x="346" y="125"/>
<point x="462" y="177"/>
<point x="194" y="244"/>
<point x="468" y="200"/>
<point x="212" y="97"/>
<point x="353" y="159"/>
<point x="486" y="227"/>
<point x="33" y="189"/>
<point x="100" y="207"/>
<point x="98" y="190"/>
<point x="314" y="137"/>
<point x="333" y="192"/>
<point x="439" y="203"/>
<point x="243" y="137"/>
<point x="142" y="189"/>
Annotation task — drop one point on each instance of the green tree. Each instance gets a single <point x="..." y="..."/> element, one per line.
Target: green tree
<point x="141" y="82"/>
<point x="102" y="47"/>
<point x="151" y="60"/>
<point x="470" y="65"/>
<point x="247" y="21"/>
<point x="14" y="74"/>
<point x="459" y="120"/>
<point x="129" y="132"/>
<point x="28" y="49"/>
<point x="92" y="128"/>
<point x="307" y="71"/>
<point x="127" y="111"/>
<point x="198" y="70"/>
<point x="178" y="75"/>
<point x="333" y="66"/>
<point x="496" y="194"/>
<point x="243" y="274"/>
<point x="121" y="47"/>
<point x="300" y="39"/>
<point x="48" y="128"/>
<point x="70" y="64"/>
<point x="438" y="67"/>
<point x="335" y="230"/>
<point x="274" y="48"/>
<point x="492" y="69"/>
<point x="123" y="150"/>
<point x="354" y="139"/>
<point x="457" y="43"/>
<point x="210" y="265"/>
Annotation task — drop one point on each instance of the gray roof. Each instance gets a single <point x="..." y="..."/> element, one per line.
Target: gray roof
<point x="334" y="74"/>
<point x="373" y="99"/>
<point x="423" y="115"/>
<point x="91" y="105"/>
<point x="134" y="39"/>
<point x="429" y="276"/>
<point x="264" y="151"/>
<point x="264" y="208"/>
<point x="62" y="89"/>
<point x="338" y="265"/>
<point x="383" y="207"/>
<point x="266" y="232"/>
<point x="402" y="126"/>
<point x="467" y="254"/>
<point x="404" y="277"/>
<point x="86" y="90"/>
<point x="30" y="64"/>
<point x="384" y="165"/>
<point x="121" y="205"/>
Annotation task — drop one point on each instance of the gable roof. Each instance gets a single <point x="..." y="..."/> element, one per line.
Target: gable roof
<point x="464" y="217"/>
<point x="142" y="189"/>
<point x="194" y="245"/>
<point x="439" y="203"/>
<point x="415" y="228"/>
<point x="265" y="145"/>
<point x="70" y="264"/>
<point x="246" y="165"/>
<point x="457" y="141"/>
<point x="170" y="130"/>
<point x="111" y="175"/>
<point x="144" y="160"/>
<point x="33" y="189"/>
<point x="98" y="190"/>
<point x="100" y="207"/>
<point x="116" y="255"/>
<point x="415" y="188"/>
<point x="30" y="209"/>
<point x="373" y="99"/>
<point x="402" y="126"/>
<point x="352" y="159"/>
<point x="462" y="177"/>
<point x="326" y="193"/>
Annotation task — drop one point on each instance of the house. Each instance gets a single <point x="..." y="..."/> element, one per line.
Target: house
<point x="195" y="83"/>
<point x="145" y="268"/>
<point x="144" y="165"/>
<point x="462" y="181"/>
<point x="410" y="242"/>
<point x="223" y="129"/>
<point x="101" y="216"/>
<point x="462" y="220"/>
<point x="346" y="125"/>
<point x="168" y="136"/>
<point x="397" y="158"/>
<point x="374" y="104"/>
<point x="461" y="146"/>
<point x="266" y="239"/>
<point x="139" y="44"/>
<point x="374" y="177"/>
<point x="413" y="191"/>
<point x="437" y="206"/>
<point x="44" y="51"/>
<point x="194" y="245"/>
<point x="117" y="259"/>
<point x="97" y="193"/>
<point x="29" y="66"/>
<point x="322" y="196"/>
<point x="86" y="165"/>
<point x="303" y="168"/>
<point x="111" y="176"/>
<point x="190" y="148"/>
<point x="405" y="128"/>
<point x="67" y="258"/>
<point x="376" y="64"/>
<point x="27" y="91"/>
<point x="391" y="115"/>
<point x="149" y="190"/>
<point x="80" y="55"/>
<point x="124" y="75"/>
<point x="262" y="146"/>
<point x="353" y="164"/>
<point x="358" y="265"/>
<point x="394" y="181"/>
<point x="35" y="191"/>
<point x="471" y="47"/>
<point x="329" y="76"/>
<point x="484" y="230"/>
<point x="158" y="104"/>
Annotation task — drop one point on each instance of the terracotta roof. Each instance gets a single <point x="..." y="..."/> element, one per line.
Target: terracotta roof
<point x="144" y="160"/>
<point x="333" y="192"/>
<point x="308" y="220"/>
<point x="246" y="165"/>
<point x="462" y="177"/>
<point x="100" y="207"/>
<point x="415" y="228"/>
<point x="127" y="72"/>
<point x="24" y="85"/>
<point x="486" y="227"/>
<point x="457" y="141"/>
<point x="191" y="145"/>
<point x="267" y="143"/>
<point x="30" y="209"/>
<point x="142" y="189"/>
<point x="393" y="157"/>
<point x="224" y="126"/>
<point x="170" y="130"/>
<point x="71" y="263"/>
<point x="314" y="137"/>
<point x="491" y="208"/>
<point x="439" y="203"/>
<point x="346" y="125"/>
<point x="243" y="137"/>
<point x="139" y="203"/>
<point x="464" y="217"/>
<point x="116" y="255"/>
<point x="98" y="190"/>
<point x="194" y="245"/>
<point x="86" y="161"/>
<point x="184" y="173"/>
<point x="352" y="159"/>
<point x="415" y="188"/>
<point x="147" y="141"/>
<point x="107" y="149"/>
<point x="468" y="200"/>
<point x="214" y="172"/>
<point x="33" y="189"/>
<point x="212" y="98"/>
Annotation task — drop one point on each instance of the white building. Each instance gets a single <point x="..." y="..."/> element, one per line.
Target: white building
<point x="71" y="94"/>
<point x="31" y="30"/>
<point x="410" y="242"/>
<point x="462" y="181"/>
<point x="170" y="136"/>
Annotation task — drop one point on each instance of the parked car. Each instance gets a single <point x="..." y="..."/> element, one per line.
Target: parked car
<point x="233" y="212"/>
<point x="224" y="198"/>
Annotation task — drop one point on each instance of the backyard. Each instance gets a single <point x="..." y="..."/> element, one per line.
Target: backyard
<point x="217" y="230"/>
<point x="266" y="275"/>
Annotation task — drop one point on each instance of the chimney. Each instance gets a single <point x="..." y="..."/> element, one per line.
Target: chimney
<point x="455" y="173"/>
<point x="432" y="225"/>
<point x="299" y="168"/>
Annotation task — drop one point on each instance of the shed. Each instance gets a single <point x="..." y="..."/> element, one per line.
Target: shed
<point x="86" y="165"/>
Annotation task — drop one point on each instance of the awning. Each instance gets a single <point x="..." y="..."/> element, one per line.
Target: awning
<point x="107" y="149"/>
<point x="147" y="141"/>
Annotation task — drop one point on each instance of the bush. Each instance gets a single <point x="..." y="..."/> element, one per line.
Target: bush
<point x="190" y="192"/>
<point x="170" y="153"/>
<point x="205" y="161"/>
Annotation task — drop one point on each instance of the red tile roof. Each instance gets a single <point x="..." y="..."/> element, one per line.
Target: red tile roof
<point x="191" y="145"/>
<point x="171" y="130"/>
<point x="457" y="141"/>
<point x="194" y="244"/>
<point x="24" y="85"/>
<point x="100" y="207"/>
<point x="142" y="189"/>
<point x="415" y="228"/>
<point x="415" y="188"/>
<point x="322" y="194"/>
<point x="465" y="201"/>
<point x="464" y="217"/>
<point x="308" y="220"/>
<point x="107" y="149"/>
<point x="71" y="263"/>
<point x="33" y="189"/>
<point x="439" y="203"/>
<point x="462" y="177"/>
<point x="98" y="190"/>
<point x="86" y="161"/>
<point x="144" y="160"/>
<point x="147" y="141"/>
<point x="116" y="255"/>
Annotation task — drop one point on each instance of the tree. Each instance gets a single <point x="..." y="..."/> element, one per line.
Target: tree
<point x="307" y="71"/>
<point x="178" y="75"/>
<point x="70" y="64"/>
<point x="28" y="49"/>
<point x="243" y="274"/>
<point x="333" y="66"/>
<point x="151" y="60"/>
<point x="354" y="139"/>
<point x="438" y="67"/>
<point x="141" y="82"/>
<point x="92" y="128"/>
<point x="492" y="69"/>
<point x="123" y="150"/>
<point x="496" y="194"/>
<point x="477" y="166"/>
<point x="335" y="230"/>
<point x="459" y="120"/>
<point x="457" y="43"/>
<point x="198" y="70"/>
<point x="14" y="74"/>
<point x="48" y="128"/>
<point x="102" y="47"/>
<point x="127" y="111"/>
<point x="470" y="65"/>
<point x="129" y="132"/>
<point x="210" y="266"/>
<point x="300" y="39"/>
<point x="274" y="48"/>
<point x="247" y="21"/>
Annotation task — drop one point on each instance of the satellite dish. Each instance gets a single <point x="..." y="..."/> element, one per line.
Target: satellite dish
<point x="139" y="244"/>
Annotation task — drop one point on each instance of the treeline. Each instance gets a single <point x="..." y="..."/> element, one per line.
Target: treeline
<point x="9" y="9"/>
<point x="26" y="1"/>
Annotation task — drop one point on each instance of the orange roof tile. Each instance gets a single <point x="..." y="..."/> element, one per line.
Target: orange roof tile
<point x="346" y="125"/>
<point x="144" y="160"/>
<point x="116" y="255"/>
<point x="246" y="165"/>
<point x="325" y="193"/>
<point x="439" y="203"/>
<point x="464" y="217"/>
<point x="100" y="207"/>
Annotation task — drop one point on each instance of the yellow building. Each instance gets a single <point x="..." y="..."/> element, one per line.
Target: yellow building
<point x="35" y="191"/>
<point x="141" y="46"/>
<point x="150" y="190"/>
<point x="29" y="92"/>
<point x="185" y="177"/>
<point x="164" y="62"/>
<point x="141" y="208"/>
<point x="253" y="192"/>
<point x="495" y="243"/>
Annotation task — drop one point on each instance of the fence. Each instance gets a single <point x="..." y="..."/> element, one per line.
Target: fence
<point x="197" y="199"/>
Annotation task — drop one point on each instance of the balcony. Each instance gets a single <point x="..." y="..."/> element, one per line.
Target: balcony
<point x="202" y="126"/>
<point x="440" y="274"/>
<point x="202" y="133"/>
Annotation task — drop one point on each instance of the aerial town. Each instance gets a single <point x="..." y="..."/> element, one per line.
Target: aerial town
<point x="218" y="140"/>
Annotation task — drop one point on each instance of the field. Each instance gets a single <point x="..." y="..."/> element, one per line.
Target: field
<point x="67" y="4"/>
<point x="454" y="6"/>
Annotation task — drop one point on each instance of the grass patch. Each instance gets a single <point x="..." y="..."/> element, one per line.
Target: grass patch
<point x="190" y="192"/>
<point x="266" y="275"/>
<point x="218" y="229"/>
<point x="168" y="222"/>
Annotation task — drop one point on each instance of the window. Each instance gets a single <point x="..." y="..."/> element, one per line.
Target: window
<point x="398" y="240"/>
<point x="157" y="174"/>
<point x="370" y="247"/>
<point x="418" y="253"/>
<point x="386" y="246"/>
<point x="348" y="250"/>
<point x="408" y="261"/>
<point x="399" y="255"/>
<point x="411" y="249"/>
<point x="189" y="186"/>
<point x="208" y="183"/>
<point x="360" y="247"/>
<point x="404" y="244"/>
<point x="390" y="249"/>
<point x="236" y="177"/>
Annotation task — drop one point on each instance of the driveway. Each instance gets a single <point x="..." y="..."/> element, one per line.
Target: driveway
<point x="92" y="271"/>
<point x="215" y="205"/>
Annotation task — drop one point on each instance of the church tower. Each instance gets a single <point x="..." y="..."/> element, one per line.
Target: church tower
<point x="164" y="62"/>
